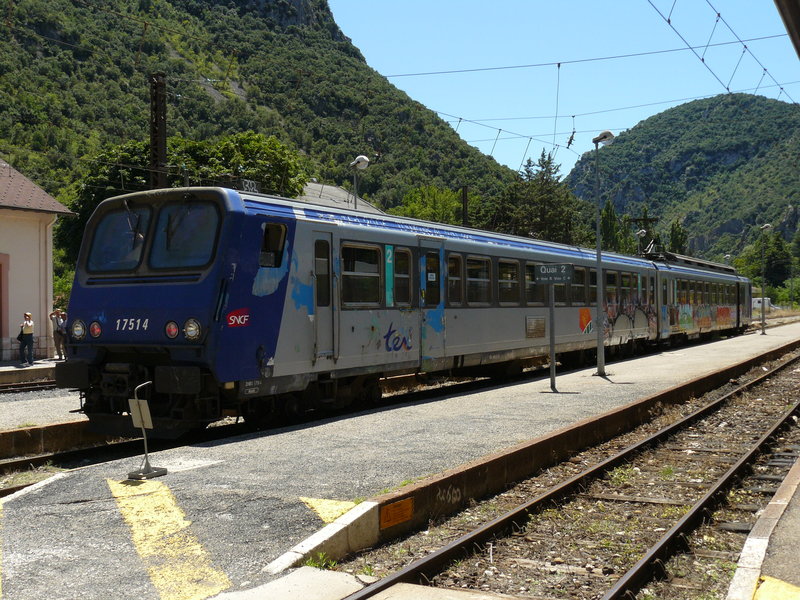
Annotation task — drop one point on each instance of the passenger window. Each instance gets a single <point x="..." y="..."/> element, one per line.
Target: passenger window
<point x="361" y="276"/>
<point x="479" y="281"/>
<point x="322" y="272"/>
<point x="611" y="287"/>
<point x="578" y="287"/>
<point x="535" y="294"/>
<point x="402" y="277"/>
<point x="625" y="288"/>
<point x="272" y="245"/>
<point x="509" y="282"/>
<point x="432" y="294"/>
<point x="592" y="287"/>
<point x="454" y="280"/>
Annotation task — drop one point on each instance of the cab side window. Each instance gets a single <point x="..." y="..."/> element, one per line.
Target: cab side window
<point x="272" y="244"/>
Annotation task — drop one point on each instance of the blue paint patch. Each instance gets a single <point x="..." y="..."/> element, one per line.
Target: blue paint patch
<point x="268" y="279"/>
<point x="302" y="293"/>
<point x="434" y="318"/>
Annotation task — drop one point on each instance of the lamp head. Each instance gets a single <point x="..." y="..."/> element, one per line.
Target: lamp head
<point x="361" y="162"/>
<point x="605" y="138"/>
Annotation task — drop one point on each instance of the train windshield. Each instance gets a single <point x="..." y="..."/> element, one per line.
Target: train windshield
<point x="119" y="239"/>
<point x="185" y="235"/>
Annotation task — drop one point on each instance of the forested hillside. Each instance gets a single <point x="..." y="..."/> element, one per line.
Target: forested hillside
<point x="76" y="107"/>
<point x="74" y="80"/>
<point x="719" y="166"/>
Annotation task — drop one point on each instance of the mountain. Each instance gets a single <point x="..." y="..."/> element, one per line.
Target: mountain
<point x="74" y="79"/>
<point x="721" y="166"/>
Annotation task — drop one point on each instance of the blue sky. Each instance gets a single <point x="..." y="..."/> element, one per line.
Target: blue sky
<point x="515" y="113"/>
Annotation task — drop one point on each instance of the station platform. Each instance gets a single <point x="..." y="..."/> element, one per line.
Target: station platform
<point x="227" y="511"/>
<point x="13" y="372"/>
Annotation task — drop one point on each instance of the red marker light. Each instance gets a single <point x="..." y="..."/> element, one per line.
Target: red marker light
<point x="95" y="330"/>
<point x="171" y="330"/>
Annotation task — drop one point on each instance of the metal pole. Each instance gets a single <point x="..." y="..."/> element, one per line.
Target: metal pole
<point x="763" y="285"/>
<point x="552" y="337"/>
<point x="355" y="188"/>
<point x="601" y="352"/>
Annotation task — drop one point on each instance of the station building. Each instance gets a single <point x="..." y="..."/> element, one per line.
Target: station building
<point x="27" y="217"/>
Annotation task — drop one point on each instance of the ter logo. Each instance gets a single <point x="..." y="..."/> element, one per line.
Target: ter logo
<point x="239" y="318"/>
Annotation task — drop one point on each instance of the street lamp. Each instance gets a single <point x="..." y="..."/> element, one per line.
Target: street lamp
<point x="764" y="228"/>
<point x="606" y="137"/>
<point x="360" y="163"/>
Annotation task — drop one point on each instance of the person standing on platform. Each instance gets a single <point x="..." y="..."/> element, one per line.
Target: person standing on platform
<point x="26" y="340"/>
<point x="59" y="319"/>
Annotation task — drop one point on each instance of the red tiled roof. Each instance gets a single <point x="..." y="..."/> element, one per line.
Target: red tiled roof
<point x="20" y="193"/>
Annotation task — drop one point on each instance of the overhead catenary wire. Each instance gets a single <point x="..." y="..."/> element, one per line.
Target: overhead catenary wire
<point x="575" y="61"/>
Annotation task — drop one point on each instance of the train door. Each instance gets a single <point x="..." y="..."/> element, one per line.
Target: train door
<point x="322" y="276"/>
<point x="431" y="303"/>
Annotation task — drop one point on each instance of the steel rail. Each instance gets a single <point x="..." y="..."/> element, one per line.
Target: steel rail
<point x="426" y="568"/>
<point x="641" y="573"/>
<point x="27" y="386"/>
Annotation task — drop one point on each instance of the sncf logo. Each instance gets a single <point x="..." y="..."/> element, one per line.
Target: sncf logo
<point x="239" y="318"/>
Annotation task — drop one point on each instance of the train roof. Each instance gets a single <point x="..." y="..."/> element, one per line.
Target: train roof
<point x="302" y="209"/>
<point x="365" y="215"/>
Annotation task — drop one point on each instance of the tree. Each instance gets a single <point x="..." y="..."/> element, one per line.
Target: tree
<point x="678" y="239"/>
<point x="539" y="204"/>
<point x="124" y="168"/>
<point x="432" y="203"/>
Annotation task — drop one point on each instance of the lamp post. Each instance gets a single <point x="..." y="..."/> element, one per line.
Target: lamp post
<point x="604" y="138"/>
<point x="360" y="163"/>
<point x="764" y="228"/>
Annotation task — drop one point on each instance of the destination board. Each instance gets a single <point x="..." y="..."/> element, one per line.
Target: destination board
<point x="555" y="273"/>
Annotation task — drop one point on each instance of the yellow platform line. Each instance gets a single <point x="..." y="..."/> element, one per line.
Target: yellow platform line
<point x="327" y="510"/>
<point x="770" y="588"/>
<point x="177" y="563"/>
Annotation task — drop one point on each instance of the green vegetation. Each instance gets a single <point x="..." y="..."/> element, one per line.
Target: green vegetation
<point x="273" y="91"/>
<point x="321" y="561"/>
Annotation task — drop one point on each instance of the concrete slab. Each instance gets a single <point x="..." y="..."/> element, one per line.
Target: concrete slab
<point x="304" y="583"/>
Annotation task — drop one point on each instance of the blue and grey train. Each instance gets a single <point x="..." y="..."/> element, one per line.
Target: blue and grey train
<point x="235" y="303"/>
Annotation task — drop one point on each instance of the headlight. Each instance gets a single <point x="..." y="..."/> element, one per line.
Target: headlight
<point x="78" y="329"/>
<point x="192" y="329"/>
<point x="95" y="330"/>
<point x="171" y="329"/>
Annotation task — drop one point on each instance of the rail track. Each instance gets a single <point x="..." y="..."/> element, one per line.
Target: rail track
<point x="613" y="529"/>
<point x="27" y="386"/>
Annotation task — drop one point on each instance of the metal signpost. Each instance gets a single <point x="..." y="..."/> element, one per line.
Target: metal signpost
<point x="140" y="415"/>
<point x="550" y="275"/>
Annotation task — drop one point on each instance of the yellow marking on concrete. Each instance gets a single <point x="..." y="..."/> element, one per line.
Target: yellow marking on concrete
<point x="770" y="588"/>
<point x="178" y="565"/>
<point x="328" y="510"/>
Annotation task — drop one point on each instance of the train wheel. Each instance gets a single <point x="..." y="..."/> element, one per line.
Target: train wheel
<point x="259" y="414"/>
<point x="294" y="407"/>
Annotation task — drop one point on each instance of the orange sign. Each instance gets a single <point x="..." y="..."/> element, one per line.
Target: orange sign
<point x="396" y="513"/>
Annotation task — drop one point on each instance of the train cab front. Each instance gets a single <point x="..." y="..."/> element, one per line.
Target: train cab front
<point x="149" y="288"/>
